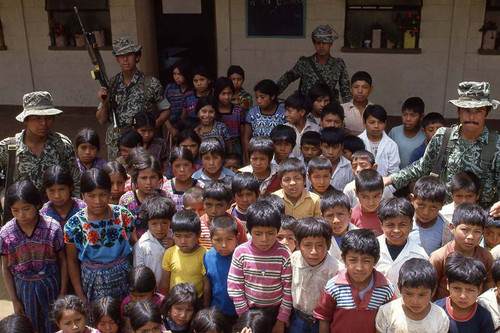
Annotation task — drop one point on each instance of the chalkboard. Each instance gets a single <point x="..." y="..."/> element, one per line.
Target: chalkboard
<point x="275" y="18"/>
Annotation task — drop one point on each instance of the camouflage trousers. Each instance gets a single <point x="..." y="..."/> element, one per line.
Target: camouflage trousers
<point x="112" y="137"/>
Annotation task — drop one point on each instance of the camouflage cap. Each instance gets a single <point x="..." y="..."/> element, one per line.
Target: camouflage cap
<point x="125" y="45"/>
<point x="474" y="95"/>
<point x="324" y="34"/>
<point x="37" y="103"/>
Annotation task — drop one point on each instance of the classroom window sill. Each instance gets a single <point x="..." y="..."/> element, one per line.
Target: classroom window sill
<point x="488" y="52"/>
<point x="346" y="49"/>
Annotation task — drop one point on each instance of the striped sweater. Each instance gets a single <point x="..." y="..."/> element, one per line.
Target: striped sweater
<point x="261" y="279"/>
<point x="205" y="238"/>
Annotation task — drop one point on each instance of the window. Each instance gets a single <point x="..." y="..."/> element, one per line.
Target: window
<point x="490" y="42"/>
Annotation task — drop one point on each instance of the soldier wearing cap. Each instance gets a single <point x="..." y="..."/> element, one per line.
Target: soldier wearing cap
<point x="134" y="92"/>
<point x="38" y="146"/>
<point x="468" y="142"/>
<point x="321" y="67"/>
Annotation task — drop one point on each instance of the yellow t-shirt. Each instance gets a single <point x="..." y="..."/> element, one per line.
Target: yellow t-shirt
<point x="185" y="267"/>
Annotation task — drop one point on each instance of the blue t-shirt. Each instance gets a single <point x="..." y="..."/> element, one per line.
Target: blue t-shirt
<point x="418" y="153"/>
<point x="480" y="322"/>
<point x="406" y="145"/>
<point x="428" y="238"/>
<point x="217" y="268"/>
<point x="338" y="239"/>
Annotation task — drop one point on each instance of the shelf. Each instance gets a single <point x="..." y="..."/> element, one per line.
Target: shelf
<point x="77" y="48"/>
<point x="346" y="49"/>
<point x="488" y="52"/>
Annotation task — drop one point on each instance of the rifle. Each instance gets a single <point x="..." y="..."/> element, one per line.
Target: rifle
<point x="100" y="72"/>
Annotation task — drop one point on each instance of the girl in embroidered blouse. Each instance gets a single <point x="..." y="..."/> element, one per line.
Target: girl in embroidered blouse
<point x="87" y="147"/>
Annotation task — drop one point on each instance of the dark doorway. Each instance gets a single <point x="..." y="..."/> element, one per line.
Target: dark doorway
<point x="186" y="36"/>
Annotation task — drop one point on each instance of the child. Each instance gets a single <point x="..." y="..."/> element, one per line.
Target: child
<point x="309" y="146"/>
<point x="157" y="212"/>
<point x="297" y="107"/>
<point x="464" y="187"/>
<point x="118" y="177"/>
<point x="331" y="147"/>
<point x="144" y="123"/>
<point x="70" y="314"/>
<point x="369" y="187"/>
<point x="217" y="197"/>
<point x="467" y="228"/>
<point x="332" y="116"/>
<point x="414" y="312"/>
<point x="284" y="140"/>
<point x="490" y="299"/>
<point x="430" y="230"/>
<point x="217" y="261"/>
<point x="245" y="187"/>
<point x="254" y="320"/>
<point x="179" y="307"/>
<point x="233" y="162"/>
<point x="274" y="200"/>
<point x="384" y="149"/>
<point x="351" y="145"/>
<point x="145" y="316"/>
<point x="396" y="215"/>
<point x="237" y="75"/>
<point x="409" y="136"/>
<point x="128" y="140"/>
<point x="58" y="185"/>
<point x="361" y="88"/>
<point x="106" y="315"/>
<point x="212" y="154"/>
<point x="465" y="278"/>
<point x="286" y="234"/>
<point x="174" y="91"/>
<point x="491" y="233"/>
<point x="209" y="127"/>
<point x="209" y="320"/>
<point x="87" y="146"/>
<point x="320" y="95"/>
<point x="16" y="323"/>
<point x="350" y="300"/>
<point x="319" y="173"/>
<point x="261" y="152"/>
<point x="190" y="140"/>
<point x="202" y="88"/>
<point x="299" y="202"/>
<point x="33" y="260"/>
<point x="193" y="200"/>
<point x="312" y="268"/>
<point x="184" y="261"/>
<point x="431" y="123"/>
<point x="255" y="280"/>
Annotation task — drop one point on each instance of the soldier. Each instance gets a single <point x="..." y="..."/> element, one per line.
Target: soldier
<point x="321" y="67"/>
<point x="134" y="91"/>
<point x="471" y="146"/>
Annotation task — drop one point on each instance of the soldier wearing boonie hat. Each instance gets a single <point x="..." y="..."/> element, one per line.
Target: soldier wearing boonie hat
<point x="125" y="45"/>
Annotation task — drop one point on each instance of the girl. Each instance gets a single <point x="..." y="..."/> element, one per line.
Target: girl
<point x="118" y="177"/>
<point x="146" y="178"/>
<point x="33" y="261"/>
<point x="58" y="185"/>
<point x="320" y="96"/>
<point x="182" y="164"/>
<point x="135" y="156"/>
<point x="179" y="307"/>
<point x="209" y="320"/>
<point x="128" y="140"/>
<point x="231" y="115"/>
<point x="253" y="321"/>
<point x="145" y="316"/>
<point x="106" y="315"/>
<point x="144" y="124"/>
<point x="99" y="236"/>
<point x="16" y="324"/>
<point x="70" y="314"/>
<point x="209" y="127"/>
<point x="241" y="97"/>
<point x="189" y="139"/>
<point x="202" y="88"/>
<point x="87" y="146"/>
<point x="175" y="91"/>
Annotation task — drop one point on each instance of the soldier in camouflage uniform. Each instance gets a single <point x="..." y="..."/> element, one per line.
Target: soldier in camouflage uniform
<point x="37" y="146"/>
<point x="467" y="141"/>
<point x="331" y="70"/>
<point x="134" y="91"/>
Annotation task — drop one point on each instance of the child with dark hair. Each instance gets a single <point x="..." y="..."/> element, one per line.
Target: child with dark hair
<point x="319" y="174"/>
<point x="464" y="187"/>
<point x="361" y="89"/>
<point x="209" y="126"/>
<point x="369" y="187"/>
<point x="87" y="146"/>
<point x="245" y="187"/>
<point x="284" y="140"/>
<point x="274" y="200"/>
<point x="320" y="95"/>
<point x="350" y="300"/>
<point x="174" y="91"/>
<point x="255" y="280"/>
<point x="212" y="154"/>
<point x="209" y="320"/>
<point x="430" y="124"/>
<point x="491" y="237"/>
<point x="145" y="316"/>
<point x="127" y="141"/>
<point x="118" y="177"/>
<point x="465" y="276"/>
<point x="468" y="226"/>
<point x="189" y="139"/>
<point x="312" y="268"/>
<point x="106" y="315"/>
<point x="332" y="141"/>
<point x="70" y="314"/>
<point x="309" y="146"/>
<point x="233" y="162"/>
<point x="286" y="234"/>
<point x="351" y="145"/>
<point x="145" y="124"/>
<point x="202" y="87"/>
<point x="384" y="149"/>
<point x="16" y="323"/>
<point x="193" y="200"/>
<point x="490" y="299"/>
<point x="332" y="116"/>
<point x="237" y="75"/>
<point x="179" y="307"/>
<point x="254" y="320"/>
<point x="414" y="312"/>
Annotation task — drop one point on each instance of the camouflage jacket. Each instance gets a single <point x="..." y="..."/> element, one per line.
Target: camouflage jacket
<point x="464" y="156"/>
<point x="334" y="71"/>
<point x="32" y="167"/>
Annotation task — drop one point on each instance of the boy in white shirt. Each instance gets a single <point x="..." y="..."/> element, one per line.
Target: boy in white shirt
<point x="490" y="299"/>
<point x="464" y="187"/>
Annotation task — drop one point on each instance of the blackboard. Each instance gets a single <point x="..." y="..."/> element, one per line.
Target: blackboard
<point x="275" y="18"/>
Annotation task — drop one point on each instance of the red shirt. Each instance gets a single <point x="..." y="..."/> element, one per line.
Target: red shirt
<point x="364" y="220"/>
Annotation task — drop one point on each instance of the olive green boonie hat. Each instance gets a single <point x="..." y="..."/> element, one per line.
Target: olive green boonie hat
<point x="474" y="95"/>
<point x="37" y="103"/>
<point x="324" y="34"/>
<point x="125" y="45"/>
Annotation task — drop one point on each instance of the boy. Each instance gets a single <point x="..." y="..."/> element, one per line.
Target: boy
<point x="193" y="200"/>
<point x="309" y="146"/>
<point x="431" y="123"/>
<point x="369" y="188"/>
<point x="491" y="233"/>
<point x="217" y="197"/>
<point x="286" y="234"/>
<point x="274" y="200"/>
<point x="396" y="215"/>
<point x="414" y="312"/>
<point x="212" y="154"/>
<point x="349" y="301"/>
<point x="467" y="228"/>
<point x="284" y="140"/>
<point x="297" y="107"/>
<point x="184" y="261"/>
<point x="351" y="145"/>
<point x="332" y="116"/>
<point x="409" y="136"/>
<point x="157" y="210"/>
<point x="430" y="230"/>
<point x="223" y="233"/>
<point x="246" y="191"/>
<point x="361" y="88"/>
<point x="384" y="149"/>
<point x="233" y="162"/>
<point x="490" y="299"/>
<point x="320" y="95"/>
<point x="299" y="202"/>
<point x="312" y="267"/>
<point x="332" y="139"/>
<point x="254" y="280"/>
<point x="465" y="277"/>
<point x="319" y="173"/>
<point x="464" y="187"/>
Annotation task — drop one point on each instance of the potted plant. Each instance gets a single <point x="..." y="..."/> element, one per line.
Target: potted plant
<point x="376" y="36"/>
<point x="489" y="30"/>
<point x="58" y="33"/>
<point x="409" y="26"/>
